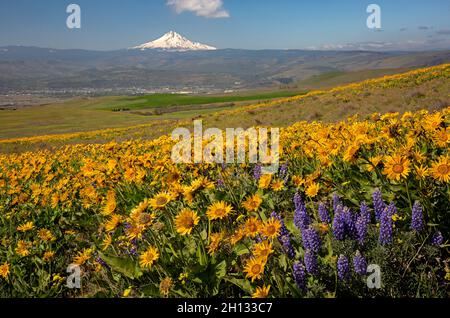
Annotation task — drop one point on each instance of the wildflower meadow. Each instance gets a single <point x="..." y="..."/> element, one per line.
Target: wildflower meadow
<point x="357" y="208"/>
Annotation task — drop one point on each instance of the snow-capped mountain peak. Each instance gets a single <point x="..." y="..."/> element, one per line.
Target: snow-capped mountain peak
<point x="172" y="41"/>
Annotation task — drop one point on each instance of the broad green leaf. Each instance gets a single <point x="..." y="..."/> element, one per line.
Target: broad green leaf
<point x="243" y="284"/>
<point x="125" y="266"/>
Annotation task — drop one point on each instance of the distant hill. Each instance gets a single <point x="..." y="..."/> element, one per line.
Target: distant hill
<point x="30" y="68"/>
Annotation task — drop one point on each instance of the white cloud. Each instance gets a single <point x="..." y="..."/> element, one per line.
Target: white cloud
<point x="202" y="8"/>
<point x="407" y="45"/>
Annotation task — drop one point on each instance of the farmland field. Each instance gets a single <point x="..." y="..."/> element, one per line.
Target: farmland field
<point x="118" y="111"/>
<point x="364" y="179"/>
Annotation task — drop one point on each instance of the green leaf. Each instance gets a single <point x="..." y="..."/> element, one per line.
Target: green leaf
<point x="241" y="283"/>
<point x="202" y="258"/>
<point x="125" y="266"/>
<point x="151" y="291"/>
<point x="221" y="270"/>
<point x="283" y="262"/>
<point x="241" y="249"/>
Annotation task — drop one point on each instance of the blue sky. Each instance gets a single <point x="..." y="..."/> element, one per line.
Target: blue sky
<point x="248" y="24"/>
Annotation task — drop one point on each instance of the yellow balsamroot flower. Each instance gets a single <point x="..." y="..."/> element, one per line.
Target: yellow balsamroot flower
<point x="185" y="221"/>
<point x="349" y="154"/>
<point x="271" y="228"/>
<point x="261" y="292"/>
<point x="23" y="248"/>
<point x="46" y="236"/>
<point x="375" y="161"/>
<point x="4" y="270"/>
<point x="419" y="156"/>
<point x="237" y="236"/>
<point x="26" y="227"/>
<point x="298" y="181"/>
<point x="252" y="227"/>
<point x="164" y="286"/>
<point x="48" y="255"/>
<point x="82" y="257"/>
<point x="264" y="181"/>
<point x="111" y="204"/>
<point x="252" y="203"/>
<point x="421" y="172"/>
<point x="312" y="190"/>
<point x="135" y="231"/>
<point x="219" y="210"/>
<point x="136" y="213"/>
<point x="188" y="194"/>
<point x="111" y="165"/>
<point x="263" y="249"/>
<point x="442" y="137"/>
<point x="106" y="242"/>
<point x="113" y="222"/>
<point x="150" y="256"/>
<point x="254" y="268"/>
<point x="396" y="167"/>
<point x="215" y="240"/>
<point x="277" y="185"/>
<point x="160" y="200"/>
<point x="202" y="182"/>
<point x="440" y="170"/>
<point x="432" y="122"/>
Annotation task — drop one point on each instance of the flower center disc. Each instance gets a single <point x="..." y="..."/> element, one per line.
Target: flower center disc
<point x="256" y="268"/>
<point x="398" y="168"/>
<point x="161" y="201"/>
<point x="443" y="169"/>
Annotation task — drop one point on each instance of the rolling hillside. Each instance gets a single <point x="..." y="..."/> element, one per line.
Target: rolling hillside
<point x="421" y="89"/>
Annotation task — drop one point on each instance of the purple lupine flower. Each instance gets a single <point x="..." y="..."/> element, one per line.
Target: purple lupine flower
<point x="359" y="264"/>
<point x="343" y="269"/>
<point x="386" y="224"/>
<point x="350" y="222"/>
<point x="339" y="224"/>
<point x="323" y="213"/>
<point x="283" y="170"/>
<point x="311" y="239"/>
<point x="417" y="217"/>
<point x="127" y="226"/>
<point x="257" y="171"/>
<point x="300" y="275"/>
<point x="362" y="221"/>
<point x="258" y="239"/>
<point x="336" y="202"/>
<point x="365" y="212"/>
<point x="437" y="239"/>
<point x="220" y="183"/>
<point x="378" y="204"/>
<point x="287" y="246"/>
<point x="311" y="262"/>
<point x="361" y="229"/>
<point x="285" y="236"/>
<point x="301" y="217"/>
